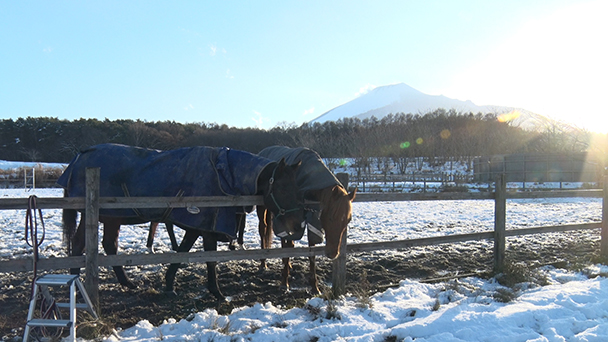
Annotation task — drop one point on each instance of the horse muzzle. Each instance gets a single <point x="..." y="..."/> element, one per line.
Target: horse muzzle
<point x="287" y="228"/>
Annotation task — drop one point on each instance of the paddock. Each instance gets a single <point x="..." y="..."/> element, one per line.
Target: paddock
<point x="93" y="260"/>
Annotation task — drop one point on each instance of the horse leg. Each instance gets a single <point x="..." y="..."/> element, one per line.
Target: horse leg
<point x="265" y="230"/>
<point x="174" y="245"/>
<point x="268" y="232"/>
<point x="240" y="229"/>
<point x="151" y="234"/>
<point x="242" y="222"/>
<point x="78" y="243"/>
<point x="286" y="264"/>
<point x="187" y="243"/>
<point x="210" y="244"/>
<point x="111" y="230"/>
<point x="314" y="282"/>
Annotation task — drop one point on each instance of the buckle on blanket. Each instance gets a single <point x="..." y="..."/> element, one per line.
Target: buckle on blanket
<point x="193" y="210"/>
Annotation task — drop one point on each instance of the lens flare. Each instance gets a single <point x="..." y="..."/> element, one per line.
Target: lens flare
<point x="506" y="117"/>
<point x="419" y="141"/>
<point x="342" y="162"/>
<point x="445" y="134"/>
<point x="404" y="144"/>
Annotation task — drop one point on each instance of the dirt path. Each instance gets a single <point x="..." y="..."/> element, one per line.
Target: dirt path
<point x="245" y="285"/>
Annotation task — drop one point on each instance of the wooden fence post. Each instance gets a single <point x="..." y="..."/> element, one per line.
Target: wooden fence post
<point x="604" y="241"/>
<point x="339" y="264"/>
<point x="91" y="282"/>
<point x="500" y="214"/>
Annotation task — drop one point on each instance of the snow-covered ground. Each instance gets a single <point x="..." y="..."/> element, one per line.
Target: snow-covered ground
<point x="9" y="165"/>
<point x="574" y="307"/>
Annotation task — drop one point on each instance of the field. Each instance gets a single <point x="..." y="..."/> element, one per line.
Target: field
<point x="368" y="273"/>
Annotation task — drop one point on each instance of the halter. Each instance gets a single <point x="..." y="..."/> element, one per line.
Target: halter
<point x="282" y="211"/>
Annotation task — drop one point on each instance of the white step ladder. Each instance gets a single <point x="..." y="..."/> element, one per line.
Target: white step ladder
<point x="29" y="178"/>
<point x="41" y="286"/>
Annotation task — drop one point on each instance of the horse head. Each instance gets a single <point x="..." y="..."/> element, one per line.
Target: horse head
<point x="280" y="197"/>
<point x="336" y="213"/>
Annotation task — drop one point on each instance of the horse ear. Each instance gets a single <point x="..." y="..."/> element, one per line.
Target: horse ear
<point x="281" y="165"/>
<point x="352" y="195"/>
<point x="338" y="192"/>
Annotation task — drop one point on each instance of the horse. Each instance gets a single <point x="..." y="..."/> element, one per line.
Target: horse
<point x="331" y="215"/>
<point x="191" y="171"/>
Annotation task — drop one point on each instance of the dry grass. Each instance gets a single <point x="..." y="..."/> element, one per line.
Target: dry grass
<point x="45" y="176"/>
<point x="362" y="293"/>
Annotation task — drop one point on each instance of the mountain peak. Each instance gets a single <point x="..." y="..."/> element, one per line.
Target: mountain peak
<point x="397" y="90"/>
<point x="400" y="98"/>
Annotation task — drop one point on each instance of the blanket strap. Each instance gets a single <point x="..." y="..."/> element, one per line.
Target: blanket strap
<point x="125" y="190"/>
<point x="167" y="212"/>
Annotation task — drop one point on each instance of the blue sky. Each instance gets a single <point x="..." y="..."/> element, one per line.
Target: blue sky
<point x="268" y="63"/>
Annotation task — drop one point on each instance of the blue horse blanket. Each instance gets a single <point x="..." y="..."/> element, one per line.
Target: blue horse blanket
<point x="313" y="174"/>
<point x="191" y="171"/>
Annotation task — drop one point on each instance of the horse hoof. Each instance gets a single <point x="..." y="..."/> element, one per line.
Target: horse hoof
<point x="218" y="295"/>
<point x="130" y="285"/>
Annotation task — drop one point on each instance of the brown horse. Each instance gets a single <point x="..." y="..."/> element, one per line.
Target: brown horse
<point x="316" y="183"/>
<point x="131" y="171"/>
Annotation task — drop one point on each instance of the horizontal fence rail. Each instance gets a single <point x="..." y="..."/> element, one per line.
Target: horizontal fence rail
<point x="448" y="196"/>
<point x="500" y="195"/>
<point x="229" y="201"/>
<point x="25" y="265"/>
<point x="133" y="202"/>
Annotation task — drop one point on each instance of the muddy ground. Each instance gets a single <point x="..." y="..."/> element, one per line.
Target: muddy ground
<point x="246" y="285"/>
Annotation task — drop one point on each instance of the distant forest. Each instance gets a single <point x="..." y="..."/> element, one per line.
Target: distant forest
<point x="439" y="134"/>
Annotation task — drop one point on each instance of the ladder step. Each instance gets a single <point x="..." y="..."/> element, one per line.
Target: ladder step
<point x="41" y="285"/>
<point x="53" y="323"/>
<point x="67" y="306"/>
<point x="56" y="279"/>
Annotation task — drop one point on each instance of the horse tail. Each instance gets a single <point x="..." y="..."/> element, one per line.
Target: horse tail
<point x="69" y="226"/>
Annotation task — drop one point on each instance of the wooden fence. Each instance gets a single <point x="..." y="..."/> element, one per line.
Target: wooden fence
<point x="92" y="203"/>
<point x="538" y="167"/>
<point x="395" y="183"/>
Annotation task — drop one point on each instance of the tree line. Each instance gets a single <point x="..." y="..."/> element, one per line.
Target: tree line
<point x="400" y="137"/>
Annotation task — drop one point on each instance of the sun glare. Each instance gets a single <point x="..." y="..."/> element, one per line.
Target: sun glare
<point x="554" y="66"/>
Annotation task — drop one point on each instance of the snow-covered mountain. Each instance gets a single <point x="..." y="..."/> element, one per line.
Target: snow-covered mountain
<point x="401" y="98"/>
